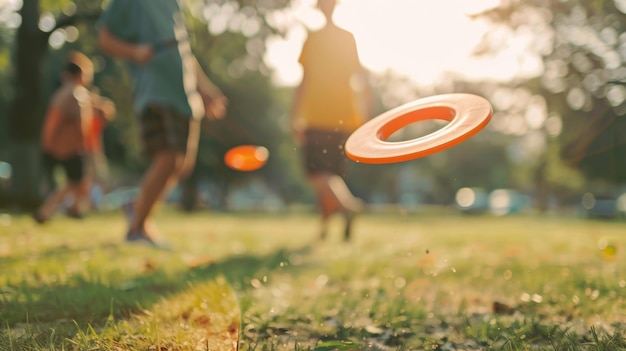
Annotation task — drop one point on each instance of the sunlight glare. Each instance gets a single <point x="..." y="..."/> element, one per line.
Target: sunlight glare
<point x="417" y="38"/>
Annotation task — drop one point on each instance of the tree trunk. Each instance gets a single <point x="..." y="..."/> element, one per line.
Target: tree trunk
<point x="25" y="114"/>
<point x="25" y="179"/>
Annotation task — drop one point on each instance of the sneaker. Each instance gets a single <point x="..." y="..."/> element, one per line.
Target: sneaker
<point x="140" y="237"/>
<point x="39" y="218"/>
<point x="357" y="206"/>
<point x="73" y="213"/>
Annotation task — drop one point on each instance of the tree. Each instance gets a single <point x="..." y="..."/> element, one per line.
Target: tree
<point x="232" y="54"/>
<point x="25" y="112"/>
<point x="223" y="60"/>
<point x="582" y="50"/>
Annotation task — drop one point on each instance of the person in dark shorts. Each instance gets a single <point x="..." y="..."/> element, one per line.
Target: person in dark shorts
<point x="325" y="111"/>
<point x="68" y="119"/>
<point x="171" y="95"/>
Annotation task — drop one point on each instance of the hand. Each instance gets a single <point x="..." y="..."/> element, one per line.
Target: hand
<point x="142" y="53"/>
<point x="214" y="104"/>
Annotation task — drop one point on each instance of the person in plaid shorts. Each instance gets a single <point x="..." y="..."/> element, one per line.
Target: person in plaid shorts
<point x="171" y="96"/>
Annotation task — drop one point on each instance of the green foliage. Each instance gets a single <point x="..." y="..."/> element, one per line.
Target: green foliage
<point x="560" y="175"/>
<point x="234" y="61"/>
<point x="253" y="117"/>
<point x="336" y="346"/>
<point x="54" y="5"/>
<point x="233" y="55"/>
<point x="6" y="93"/>
<point x="581" y="58"/>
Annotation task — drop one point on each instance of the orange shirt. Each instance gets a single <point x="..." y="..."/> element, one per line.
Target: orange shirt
<point x="330" y="60"/>
<point x="93" y="138"/>
<point x="103" y="110"/>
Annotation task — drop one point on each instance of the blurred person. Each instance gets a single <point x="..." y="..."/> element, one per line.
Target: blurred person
<point x="326" y="109"/>
<point x="66" y="124"/>
<point x="171" y="94"/>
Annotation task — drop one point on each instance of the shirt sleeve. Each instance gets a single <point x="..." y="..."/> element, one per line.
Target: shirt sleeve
<point x="118" y="19"/>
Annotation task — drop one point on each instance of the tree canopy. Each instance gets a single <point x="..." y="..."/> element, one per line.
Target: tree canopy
<point x="556" y="127"/>
<point x="582" y="49"/>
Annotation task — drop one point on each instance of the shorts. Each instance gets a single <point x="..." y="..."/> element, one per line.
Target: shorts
<point x="162" y="128"/>
<point x="73" y="167"/>
<point x="323" y="152"/>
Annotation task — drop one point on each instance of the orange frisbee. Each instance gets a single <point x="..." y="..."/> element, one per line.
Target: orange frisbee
<point x="467" y="114"/>
<point x="246" y="158"/>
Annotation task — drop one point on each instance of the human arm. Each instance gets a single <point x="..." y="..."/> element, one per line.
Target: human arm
<point x="80" y="106"/>
<point x="214" y="100"/>
<point x="103" y="108"/>
<point x="116" y="47"/>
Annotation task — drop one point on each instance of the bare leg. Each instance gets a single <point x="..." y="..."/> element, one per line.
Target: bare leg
<point x="184" y="165"/>
<point x="79" y="200"/>
<point x="334" y="192"/>
<point x="167" y="168"/>
<point x="54" y="200"/>
<point x="327" y="206"/>
<point x="350" y="204"/>
<point x="334" y="196"/>
<point x="340" y="190"/>
<point x="157" y="179"/>
<point x="327" y="203"/>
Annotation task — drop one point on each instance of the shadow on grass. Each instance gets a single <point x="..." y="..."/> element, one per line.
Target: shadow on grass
<point x="87" y="300"/>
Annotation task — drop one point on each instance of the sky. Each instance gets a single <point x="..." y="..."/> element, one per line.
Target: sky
<point x="421" y="39"/>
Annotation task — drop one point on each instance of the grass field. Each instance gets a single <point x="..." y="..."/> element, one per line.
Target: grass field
<point x="425" y="281"/>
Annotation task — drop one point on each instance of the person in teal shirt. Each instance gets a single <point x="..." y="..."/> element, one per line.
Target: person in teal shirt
<point x="171" y="96"/>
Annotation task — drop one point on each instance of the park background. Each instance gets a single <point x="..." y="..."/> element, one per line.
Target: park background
<point x="423" y="280"/>
<point x="553" y="71"/>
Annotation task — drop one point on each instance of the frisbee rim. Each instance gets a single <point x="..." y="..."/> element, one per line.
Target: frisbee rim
<point x="467" y="115"/>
